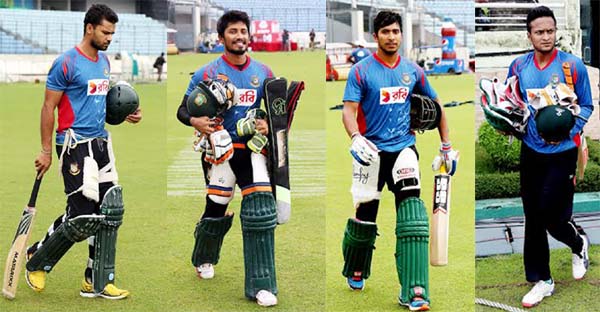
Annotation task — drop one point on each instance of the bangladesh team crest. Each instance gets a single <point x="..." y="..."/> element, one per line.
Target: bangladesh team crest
<point x="406" y="79"/>
<point x="200" y="99"/>
<point x="74" y="169"/>
<point x="106" y="72"/>
<point x="554" y="80"/>
<point x="254" y="81"/>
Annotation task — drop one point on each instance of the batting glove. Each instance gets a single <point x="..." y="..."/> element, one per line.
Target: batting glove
<point x="363" y="150"/>
<point x="221" y="147"/>
<point x="447" y="157"/>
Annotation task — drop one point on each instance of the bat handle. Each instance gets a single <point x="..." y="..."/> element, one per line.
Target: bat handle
<point x="443" y="169"/>
<point x="35" y="190"/>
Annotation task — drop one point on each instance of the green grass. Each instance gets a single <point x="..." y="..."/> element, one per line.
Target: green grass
<point x="452" y="286"/>
<point x="300" y="245"/>
<point x="144" y="240"/>
<point x="502" y="279"/>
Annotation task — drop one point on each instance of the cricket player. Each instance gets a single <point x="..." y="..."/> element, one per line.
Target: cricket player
<point x="236" y="156"/>
<point x="77" y="85"/>
<point x="376" y="117"/>
<point x="359" y="53"/>
<point x="548" y="167"/>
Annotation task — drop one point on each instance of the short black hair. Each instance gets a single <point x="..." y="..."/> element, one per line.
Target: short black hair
<point x="98" y="12"/>
<point x="386" y="18"/>
<point x="537" y="12"/>
<point x="232" y="16"/>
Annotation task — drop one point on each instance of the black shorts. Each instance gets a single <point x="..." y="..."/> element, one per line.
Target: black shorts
<point x="72" y="172"/>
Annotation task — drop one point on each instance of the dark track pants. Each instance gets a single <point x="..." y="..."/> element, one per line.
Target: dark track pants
<point x="547" y="188"/>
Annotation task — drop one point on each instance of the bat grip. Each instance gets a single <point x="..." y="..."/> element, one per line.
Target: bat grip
<point x="35" y="190"/>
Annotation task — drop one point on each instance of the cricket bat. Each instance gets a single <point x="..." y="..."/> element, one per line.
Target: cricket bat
<point x="440" y="219"/>
<point x="16" y="255"/>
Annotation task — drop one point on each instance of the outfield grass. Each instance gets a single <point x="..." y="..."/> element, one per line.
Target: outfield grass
<point x="452" y="286"/>
<point x="300" y="245"/>
<point x="502" y="279"/>
<point x="144" y="240"/>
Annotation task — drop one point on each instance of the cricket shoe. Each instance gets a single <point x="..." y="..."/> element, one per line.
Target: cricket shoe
<point x="266" y="298"/>
<point x="110" y="291"/>
<point x="356" y="282"/>
<point x="35" y="279"/>
<point x="416" y="304"/>
<point x="537" y="293"/>
<point x="581" y="261"/>
<point x="205" y="271"/>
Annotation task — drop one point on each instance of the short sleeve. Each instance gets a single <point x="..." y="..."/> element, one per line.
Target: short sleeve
<point x="353" y="91"/>
<point x="59" y="74"/>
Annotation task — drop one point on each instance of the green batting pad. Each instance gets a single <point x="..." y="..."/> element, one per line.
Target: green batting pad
<point x="209" y="239"/>
<point x="103" y="271"/>
<point x="71" y="231"/>
<point x="412" y="252"/>
<point x="357" y="247"/>
<point x="259" y="218"/>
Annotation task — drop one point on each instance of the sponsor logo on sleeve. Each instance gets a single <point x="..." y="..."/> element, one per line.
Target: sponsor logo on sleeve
<point x="97" y="87"/>
<point x="393" y="95"/>
<point x="246" y="97"/>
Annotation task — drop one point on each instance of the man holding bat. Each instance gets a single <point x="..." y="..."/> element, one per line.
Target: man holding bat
<point x="78" y="85"/>
<point x="377" y="116"/>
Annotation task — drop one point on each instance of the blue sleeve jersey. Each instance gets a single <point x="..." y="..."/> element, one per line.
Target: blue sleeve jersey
<point x="84" y="83"/>
<point x="249" y="84"/>
<point x="360" y="54"/>
<point x="383" y="96"/>
<point x="532" y="77"/>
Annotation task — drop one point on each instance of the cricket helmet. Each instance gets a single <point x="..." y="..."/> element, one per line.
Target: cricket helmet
<point x="210" y="98"/>
<point x="425" y="113"/>
<point x="121" y="101"/>
<point x="554" y="123"/>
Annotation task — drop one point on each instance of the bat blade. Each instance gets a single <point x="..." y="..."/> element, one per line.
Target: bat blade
<point x="17" y="253"/>
<point x="440" y="220"/>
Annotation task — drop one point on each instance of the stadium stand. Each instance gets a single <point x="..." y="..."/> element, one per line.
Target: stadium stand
<point x="293" y="15"/>
<point x="12" y="45"/>
<point x="56" y="31"/>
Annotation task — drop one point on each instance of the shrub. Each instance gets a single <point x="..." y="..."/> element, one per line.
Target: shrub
<point x="505" y="156"/>
<point x="497" y="185"/>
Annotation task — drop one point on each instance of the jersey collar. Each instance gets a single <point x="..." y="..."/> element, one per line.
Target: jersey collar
<point x="537" y="65"/>
<point x="235" y="66"/>
<point x="384" y="63"/>
<point x="87" y="57"/>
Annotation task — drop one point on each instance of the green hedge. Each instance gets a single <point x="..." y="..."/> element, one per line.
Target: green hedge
<point x="503" y="185"/>
<point x="594" y="150"/>
<point x="504" y="156"/>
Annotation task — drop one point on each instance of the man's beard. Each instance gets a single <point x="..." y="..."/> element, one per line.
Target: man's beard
<point x="388" y="52"/>
<point x="236" y="52"/>
<point x="99" y="47"/>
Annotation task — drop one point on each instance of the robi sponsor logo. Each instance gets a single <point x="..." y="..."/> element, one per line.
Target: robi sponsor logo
<point x="97" y="87"/>
<point x="393" y="95"/>
<point x="245" y="97"/>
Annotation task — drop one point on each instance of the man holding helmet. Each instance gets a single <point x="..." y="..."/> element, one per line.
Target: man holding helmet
<point x="78" y="85"/>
